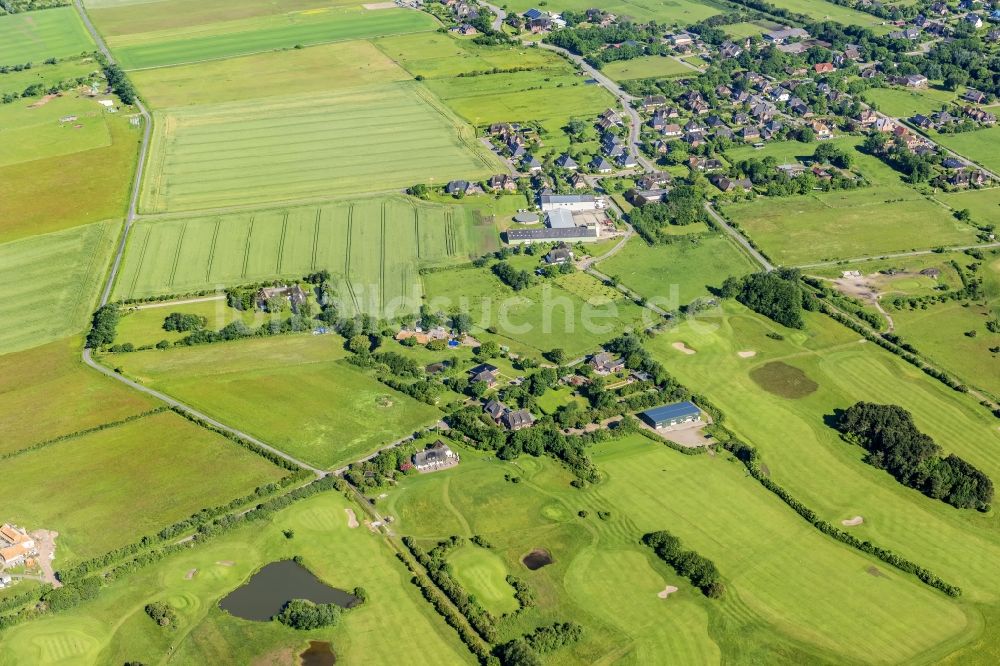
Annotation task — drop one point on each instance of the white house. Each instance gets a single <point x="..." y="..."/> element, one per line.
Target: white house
<point x="568" y="202"/>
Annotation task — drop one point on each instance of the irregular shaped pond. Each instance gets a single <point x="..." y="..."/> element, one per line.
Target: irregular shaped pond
<point x="320" y="653"/>
<point x="537" y="559"/>
<point x="268" y="590"/>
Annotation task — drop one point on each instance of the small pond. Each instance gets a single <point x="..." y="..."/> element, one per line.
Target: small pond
<point x="319" y="653"/>
<point x="268" y="590"/>
<point x="537" y="559"/>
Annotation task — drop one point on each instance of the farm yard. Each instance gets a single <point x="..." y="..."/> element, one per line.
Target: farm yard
<point x="126" y="472"/>
<point x="35" y="36"/>
<point x="65" y="269"/>
<point x="294" y="392"/>
<point x="353" y="141"/>
<point x="374" y="248"/>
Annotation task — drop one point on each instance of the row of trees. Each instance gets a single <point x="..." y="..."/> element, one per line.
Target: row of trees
<point x="698" y="569"/>
<point x="118" y="80"/>
<point x="895" y="444"/>
<point x="526" y="651"/>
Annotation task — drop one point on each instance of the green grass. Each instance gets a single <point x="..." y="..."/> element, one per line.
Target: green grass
<point x="384" y="137"/>
<point x="374" y="248"/>
<point x="126" y="473"/>
<point x="827" y="11"/>
<point x="749" y="28"/>
<point x="243" y="36"/>
<point x="114" y="628"/>
<point x="36" y="36"/>
<point x="553" y="399"/>
<point x="683" y="12"/>
<point x="37" y="133"/>
<point x="903" y="103"/>
<point x="978" y="146"/>
<point x="886" y="216"/>
<point x="145" y="326"/>
<point x="984" y="205"/>
<point x="676" y="274"/>
<point x="66" y="272"/>
<point x="483" y="573"/>
<point x="47" y="75"/>
<point x="646" y="67"/>
<point x="809" y="459"/>
<point x="64" y="191"/>
<point x="293" y="392"/>
<point x="63" y="396"/>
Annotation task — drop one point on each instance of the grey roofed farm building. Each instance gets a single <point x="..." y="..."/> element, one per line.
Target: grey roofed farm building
<point x="671" y="415"/>
<point x="783" y="35"/>
<point x="560" y="218"/>
<point x="570" y="235"/>
<point x="568" y="201"/>
<point x="526" y="218"/>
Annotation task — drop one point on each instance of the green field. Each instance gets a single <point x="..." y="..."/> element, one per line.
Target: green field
<point x="243" y="36"/>
<point x="804" y="454"/>
<point x="749" y="28"/>
<point x="374" y="248"/>
<point x="646" y="67"/>
<point x="676" y="274"/>
<point x="683" y="12"/>
<point x="819" y="10"/>
<point x="115" y="629"/>
<point x="483" y="574"/>
<point x="64" y="191"/>
<point x="61" y="394"/>
<point x="144" y="325"/>
<point x="978" y="146"/>
<point x="37" y="132"/>
<point x="886" y="216"/>
<point x="47" y="75"/>
<point x="984" y="205"/>
<point x="385" y="137"/>
<point x="66" y="271"/>
<point x="36" y="36"/>
<point x="126" y="473"/>
<point x="903" y="103"/>
<point x="295" y="393"/>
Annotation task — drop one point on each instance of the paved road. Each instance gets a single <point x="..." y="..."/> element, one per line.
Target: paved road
<point x="89" y="360"/>
<point x="739" y="238"/>
<point x="147" y="128"/>
<point x="500" y="14"/>
<point x="897" y="255"/>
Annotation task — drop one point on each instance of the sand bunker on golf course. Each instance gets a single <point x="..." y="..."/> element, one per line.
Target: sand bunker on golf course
<point x="852" y="522"/>
<point x="352" y="520"/>
<point x="667" y="591"/>
<point x="746" y="354"/>
<point x="681" y="347"/>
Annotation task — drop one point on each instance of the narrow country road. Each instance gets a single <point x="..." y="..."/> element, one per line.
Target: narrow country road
<point x="739" y="238"/>
<point x="898" y="255"/>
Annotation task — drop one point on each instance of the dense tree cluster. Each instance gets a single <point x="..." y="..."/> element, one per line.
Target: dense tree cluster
<point x="118" y="80"/>
<point x="512" y="277"/>
<point x="179" y="321"/>
<point x="103" y="325"/>
<point x="525" y="651"/>
<point x="161" y="613"/>
<point x="776" y="294"/>
<point x="684" y="206"/>
<point x="700" y="570"/>
<point x="896" y="445"/>
<point x="304" y="615"/>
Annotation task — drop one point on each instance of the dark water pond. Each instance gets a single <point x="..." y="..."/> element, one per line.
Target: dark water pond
<point x="320" y="653"/>
<point x="276" y="584"/>
<point x="537" y="559"/>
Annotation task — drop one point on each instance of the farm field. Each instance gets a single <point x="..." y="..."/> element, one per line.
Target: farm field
<point x="144" y="326"/>
<point x="128" y="470"/>
<point x="440" y="56"/>
<point x="828" y="11"/>
<point x="51" y="383"/>
<point x="573" y="312"/>
<point x="244" y="36"/>
<point x="66" y="270"/>
<point x="978" y="146"/>
<point x="646" y="67"/>
<point x="54" y="193"/>
<point x="36" y="36"/>
<point x="676" y="274"/>
<point x="373" y="247"/>
<point x="296" y="393"/>
<point x="984" y="205"/>
<point x="789" y="596"/>
<point x="749" y="28"/>
<point x="363" y="139"/>
<point x="803" y="453"/>
<point x="114" y="628"/>
<point x="886" y="216"/>
<point x="33" y="132"/>
<point x="903" y="103"/>
<point x="682" y="12"/>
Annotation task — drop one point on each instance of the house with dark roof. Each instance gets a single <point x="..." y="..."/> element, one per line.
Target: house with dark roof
<point x="566" y="162"/>
<point x="438" y="456"/>
<point x="485" y="373"/>
<point x="604" y="363"/>
<point x="494" y="409"/>
<point x="517" y="419"/>
<point x="560" y="254"/>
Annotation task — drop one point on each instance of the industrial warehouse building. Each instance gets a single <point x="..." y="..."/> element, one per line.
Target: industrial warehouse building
<point x="672" y="415"/>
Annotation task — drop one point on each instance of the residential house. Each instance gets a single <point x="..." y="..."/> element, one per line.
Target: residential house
<point x="654" y="180"/>
<point x="438" y="456"/>
<point x="974" y="96"/>
<point x="913" y="81"/>
<point x="578" y="182"/>
<point x="502" y="182"/>
<point x="485" y="373"/>
<point x="530" y="164"/>
<point x="979" y="115"/>
<point x="821" y="129"/>
<point x="727" y="184"/>
<point x="791" y="170"/>
<point x="494" y="409"/>
<point x="566" y="162"/>
<point x="910" y="34"/>
<point x="295" y="294"/>
<point x="464" y="187"/>
<point x="600" y="165"/>
<point x="626" y="160"/>
<point x="652" y="102"/>
<point x="704" y="164"/>
<point x="604" y="363"/>
<point x="824" y="68"/>
<point x="517" y="419"/>
<point x="672" y="130"/>
<point x="973" y="20"/>
<point x="639" y="197"/>
<point x="560" y="254"/>
<point x="784" y="35"/>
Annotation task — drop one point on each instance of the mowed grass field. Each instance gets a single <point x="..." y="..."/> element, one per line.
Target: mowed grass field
<point x="903" y="103"/>
<point x="34" y="129"/>
<point x="114" y="628"/>
<point x="36" y="36"/>
<point x="65" y="271"/>
<point x="819" y="10"/>
<point x="114" y="484"/>
<point x="676" y="274"/>
<point x="363" y="139"/>
<point x="646" y="67"/>
<point x="47" y="75"/>
<point x="807" y="456"/>
<point x="374" y="248"/>
<point x="243" y="36"/>
<point x="296" y="393"/>
<point x="791" y="598"/>
<point x="984" y="205"/>
<point x="67" y="190"/>
<point x="484" y="574"/>
<point x="978" y="146"/>
<point x="683" y="12"/>
<point x="61" y="395"/>
<point x="886" y="216"/>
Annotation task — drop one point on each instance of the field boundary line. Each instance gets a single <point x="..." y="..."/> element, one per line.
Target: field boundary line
<point x="211" y="252"/>
<point x="315" y="248"/>
<point x="281" y="243"/>
<point x="462" y="128"/>
<point x="381" y="264"/>
<point x="347" y="259"/>
<point x="142" y="260"/>
<point x="416" y="230"/>
<point x="246" y="250"/>
<point x="177" y="254"/>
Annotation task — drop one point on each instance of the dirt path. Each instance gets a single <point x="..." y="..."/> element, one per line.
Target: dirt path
<point x="45" y="542"/>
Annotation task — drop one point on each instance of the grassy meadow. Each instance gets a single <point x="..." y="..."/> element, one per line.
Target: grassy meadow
<point x="646" y="67"/>
<point x="984" y="205"/>
<point x="374" y="248"/>
<point x="36" y="36"/>
<point x="979" y="146"/>
<point x="66" y="270"/>
<point x="63" y="396"/>
<point x="820" y="10"/>
<point x="35" y="129"/>
<point x="127" y="470"/>
<point x="807" y="456"/>
<point x="47" y="75"/>
<point x="683" y="12"/>
<point x="903" y="103"/>
<point x="364" y="139"/>
<point x="115" y="629"/>
<point x="296" y="393"/>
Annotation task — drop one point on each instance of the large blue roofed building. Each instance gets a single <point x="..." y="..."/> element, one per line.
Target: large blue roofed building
<point x="671" y="415"/>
